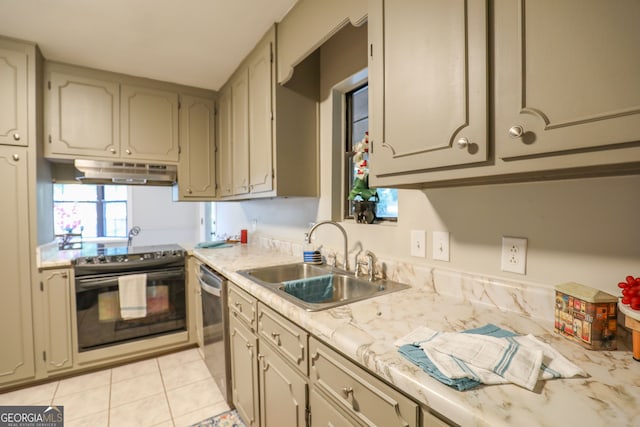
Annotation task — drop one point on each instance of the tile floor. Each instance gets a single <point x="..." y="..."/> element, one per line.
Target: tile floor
<point x="172" y="390"/>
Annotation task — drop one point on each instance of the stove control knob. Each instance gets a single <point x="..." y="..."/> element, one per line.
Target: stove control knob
<point x="102" y="258"/>
<point x="120" y="258"/>
<point x="88" y="260"/>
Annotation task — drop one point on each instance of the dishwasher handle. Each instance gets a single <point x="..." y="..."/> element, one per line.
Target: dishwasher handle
<point x="210" y="282"/>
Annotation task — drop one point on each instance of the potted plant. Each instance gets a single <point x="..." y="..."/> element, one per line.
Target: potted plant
<point x="364" y="198"/>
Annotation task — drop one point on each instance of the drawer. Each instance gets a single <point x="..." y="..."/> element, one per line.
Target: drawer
<point x="243" y="307"/>
<point x="287" y="338"/>
<point x="365" y="397"/>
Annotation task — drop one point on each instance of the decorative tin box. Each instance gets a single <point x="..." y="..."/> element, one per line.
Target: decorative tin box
<point x="586" y="315"/>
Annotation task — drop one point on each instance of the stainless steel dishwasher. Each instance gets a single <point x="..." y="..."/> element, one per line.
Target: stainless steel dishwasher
<point x="215" y="321"/>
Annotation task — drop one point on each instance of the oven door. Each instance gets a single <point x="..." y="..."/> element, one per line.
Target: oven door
<point x="98" y="308"/>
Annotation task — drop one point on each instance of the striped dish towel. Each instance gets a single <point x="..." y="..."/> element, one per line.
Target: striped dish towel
<point x="521" y="360"/>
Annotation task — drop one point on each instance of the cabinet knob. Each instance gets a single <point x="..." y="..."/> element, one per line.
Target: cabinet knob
<point x="462" y="143"/>
<point x="127" y="151"/>
<point x="516" y="131"/>
<point x="112" y="150"/>
<point x="16" y="157"/>
<point x="189" y="191"/>
<point x="16" y="136"/>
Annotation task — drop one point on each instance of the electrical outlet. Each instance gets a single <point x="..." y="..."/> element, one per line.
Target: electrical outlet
<point x="419" y="243"/>
<point x="440" y="246"/>
<point x="514" y="254"/>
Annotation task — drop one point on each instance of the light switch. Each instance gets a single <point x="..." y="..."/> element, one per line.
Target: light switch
<point x="441" y="246"/>
<point x="418" y="243"/>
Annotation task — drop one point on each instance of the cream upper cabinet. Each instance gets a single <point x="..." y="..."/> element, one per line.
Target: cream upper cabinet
<point x="240" y="132"/>
<point x="224" y="143"/>
<point x="16" y="327"/>
<point x="13" y="97"/>
<point x="196" y="170"/>
<point x="149" y="123"/>
<point x="273" y="131"/>
<point x="261" y="77"/>
<point x="99" y="115"/>
<point x="82" y="116"/>
<point x="428" y="84"/>
<point x="567" y="76"/>
<point x="56" y="293"/>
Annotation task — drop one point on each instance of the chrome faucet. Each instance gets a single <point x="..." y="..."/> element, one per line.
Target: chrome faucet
<point x="135" y="230"/>
<point x="345" y="265"/>
<point x="371" y="260"/>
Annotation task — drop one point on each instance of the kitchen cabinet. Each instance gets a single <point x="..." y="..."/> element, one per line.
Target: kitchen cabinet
<point x="428" y="85"/>
<point x="99" y="115"/>
<point x="194" y="312"/>
<point x="272" y="131"/>
<point x="149" y="123"/>
<point x="244" y="355"/>
<point x="240" y="133"/>
<point x="55" y="294"/>
<point x="566" y="76"/>
<point x="197" y="167"/>
<point x="16" y="327"/>
<point x="564" y="99"/>
<point x="357" y="393"/>
<point x="224" y="143"/>
<point x="13" y="95"/>
<point x="268" y="364"/>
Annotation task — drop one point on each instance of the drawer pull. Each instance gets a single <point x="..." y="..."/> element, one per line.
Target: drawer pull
<point x="347" y="391"/>
<point x="249" y="345"/>
<point x="238" y="306"/>
<point x="276" y="337"/>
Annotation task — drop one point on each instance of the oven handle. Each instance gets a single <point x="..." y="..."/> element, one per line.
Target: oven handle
<point x="85" y="284"/>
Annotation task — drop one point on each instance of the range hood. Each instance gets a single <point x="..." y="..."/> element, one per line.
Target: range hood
<point x="104" y="172"/>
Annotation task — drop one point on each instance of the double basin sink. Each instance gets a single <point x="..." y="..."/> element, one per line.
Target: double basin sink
<point x="318" y="287"/>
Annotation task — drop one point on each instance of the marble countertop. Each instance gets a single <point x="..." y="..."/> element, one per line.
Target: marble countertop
<point x="365" y="332"/>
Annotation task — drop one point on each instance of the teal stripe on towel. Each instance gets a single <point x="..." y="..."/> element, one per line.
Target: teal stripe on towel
<point x="313" y="289"/>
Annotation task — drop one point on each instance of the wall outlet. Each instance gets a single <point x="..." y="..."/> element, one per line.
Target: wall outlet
<point x="441" y="246"/>
<point x="419" y="243"/>
<point x="514" y="254"/>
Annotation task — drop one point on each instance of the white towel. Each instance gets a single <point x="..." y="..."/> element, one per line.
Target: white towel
<point x="132" y="291"/>
<point x="521" y="360"/>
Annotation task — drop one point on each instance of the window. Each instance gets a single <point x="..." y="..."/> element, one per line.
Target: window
<point x="93" y="210"/>
<point x="357" y="124"/>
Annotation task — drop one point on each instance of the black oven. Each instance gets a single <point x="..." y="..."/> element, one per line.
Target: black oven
<point x="100" y="321"/>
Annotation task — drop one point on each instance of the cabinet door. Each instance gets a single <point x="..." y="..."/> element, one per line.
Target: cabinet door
<point x="427" y="84"/>
<point x="326" y="414"/>
<point x="149" y="120"/>
<point x="566" y="76"/>
<point x="16" y="328"/>
<point x="13" y="97"/>
<point x="244" y="374"/>
<point x="260" y="119"/>
<point x="283" y="392"/>
<point x="196" y="172"/>
<point x="56" y="290"/>
<point x="240" y="132"/>
<point x="225" y="157"/>
<point x="82" y="117"/>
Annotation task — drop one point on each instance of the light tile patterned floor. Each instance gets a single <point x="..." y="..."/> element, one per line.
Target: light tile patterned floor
<point x="173" y="390"/>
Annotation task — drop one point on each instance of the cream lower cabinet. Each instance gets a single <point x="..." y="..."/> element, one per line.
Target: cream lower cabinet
<point x="54" y="319"/>
<point x="289" y="378"/>
<point x="357" y="393"/>
<point x="16" y="325"/>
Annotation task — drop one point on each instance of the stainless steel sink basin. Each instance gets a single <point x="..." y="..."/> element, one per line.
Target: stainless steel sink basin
<point x="315" y="288"/>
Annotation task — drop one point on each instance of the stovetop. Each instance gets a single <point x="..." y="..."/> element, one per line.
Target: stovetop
<point x="100" y="255"/>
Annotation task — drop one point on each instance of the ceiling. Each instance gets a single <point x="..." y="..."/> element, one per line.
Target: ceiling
<point x="191" y="42"/>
